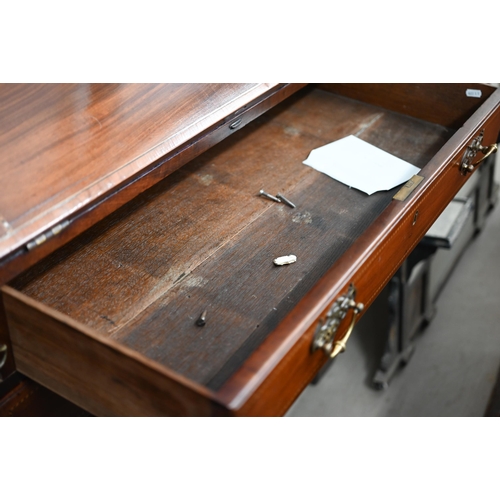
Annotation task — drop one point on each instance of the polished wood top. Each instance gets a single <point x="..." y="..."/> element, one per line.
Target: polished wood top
<point x="64" y="146"/>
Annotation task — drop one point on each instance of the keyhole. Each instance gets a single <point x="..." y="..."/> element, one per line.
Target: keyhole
<point x="415" y="217"/>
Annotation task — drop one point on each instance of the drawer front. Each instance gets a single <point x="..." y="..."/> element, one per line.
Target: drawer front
<point x="97" y="374"/>
<point x="278" y="371"/>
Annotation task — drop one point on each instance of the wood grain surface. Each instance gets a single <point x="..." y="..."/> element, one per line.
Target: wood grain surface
<point x="88" y="214"/>
<point x="96" y="373"/>
<point x="444" y="104"/>
<point x="203" y="239"/>
<point x="64" y="146"/>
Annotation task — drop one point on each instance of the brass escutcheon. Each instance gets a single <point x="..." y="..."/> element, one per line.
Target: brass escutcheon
<point x="324" y="337"/>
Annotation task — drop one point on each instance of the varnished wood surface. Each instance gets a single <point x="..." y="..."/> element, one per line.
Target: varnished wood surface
<point x="204" y="239"/>
<point x="64" y="146"/>
<point x="444" y="104"/>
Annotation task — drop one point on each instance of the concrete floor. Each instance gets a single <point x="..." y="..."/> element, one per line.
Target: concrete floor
<point x="457" y="357"/>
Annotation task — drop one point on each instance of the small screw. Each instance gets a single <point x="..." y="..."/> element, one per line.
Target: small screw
<point x="202" y="319"/>
<point x="285" y="200"/>
<point x="270" y="196"/>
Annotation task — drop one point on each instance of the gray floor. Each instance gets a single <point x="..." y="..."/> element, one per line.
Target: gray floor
<point x="457" y="357"/>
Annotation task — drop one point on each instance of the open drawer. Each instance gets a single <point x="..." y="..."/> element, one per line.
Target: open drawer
<point x="109" y="320"/>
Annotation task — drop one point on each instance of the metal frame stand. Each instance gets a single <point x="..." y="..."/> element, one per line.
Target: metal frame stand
<point x="406" y="317"/>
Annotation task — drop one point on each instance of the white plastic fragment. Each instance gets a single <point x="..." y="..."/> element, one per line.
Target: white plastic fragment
<point x="286" y="259"/>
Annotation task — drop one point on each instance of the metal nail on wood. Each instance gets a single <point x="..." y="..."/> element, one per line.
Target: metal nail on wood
<point x="201" y="321"/>
<point x="285" y="200"/>
<point x="270" y="196"/>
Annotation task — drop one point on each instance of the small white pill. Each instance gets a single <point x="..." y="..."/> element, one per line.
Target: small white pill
<point x="286" y="259"/>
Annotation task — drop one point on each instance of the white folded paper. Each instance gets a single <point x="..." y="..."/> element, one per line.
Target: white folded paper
<point x="360" y="165"/>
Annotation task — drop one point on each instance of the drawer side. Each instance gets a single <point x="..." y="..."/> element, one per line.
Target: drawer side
<point x="102" y="377"/>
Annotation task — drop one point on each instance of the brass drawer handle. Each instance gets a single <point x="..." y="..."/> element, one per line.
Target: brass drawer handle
<point x="324" y="337"/>
<point x="467" y="165"/>
<point x="489" y="151"/>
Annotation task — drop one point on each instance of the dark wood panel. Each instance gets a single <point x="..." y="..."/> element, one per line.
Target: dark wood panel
<point x="245" y="294"/>
<point x="444" y="104"/>
<point x="411" y="140"/>
<point x="29" y="399"/>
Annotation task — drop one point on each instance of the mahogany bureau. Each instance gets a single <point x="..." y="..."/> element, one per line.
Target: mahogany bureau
<point x="136" y="255"/>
